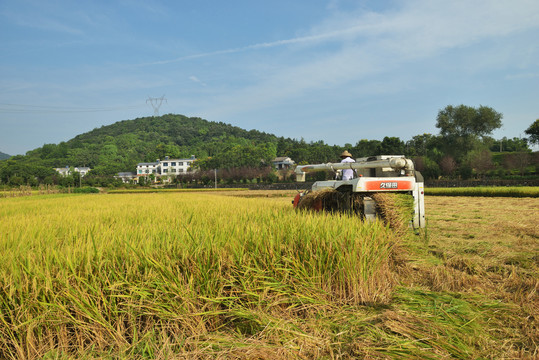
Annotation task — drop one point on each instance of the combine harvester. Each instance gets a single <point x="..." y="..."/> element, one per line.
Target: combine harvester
<point x="374" y="175"/>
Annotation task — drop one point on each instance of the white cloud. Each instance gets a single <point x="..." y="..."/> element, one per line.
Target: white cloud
<point x="421" y="27"/>
<point x="196" y="80"/>
<point x="373" y="43"/>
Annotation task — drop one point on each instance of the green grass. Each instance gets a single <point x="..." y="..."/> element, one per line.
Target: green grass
<point x="524" y="191"/>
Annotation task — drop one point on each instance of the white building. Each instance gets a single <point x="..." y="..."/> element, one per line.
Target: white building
<point x="145" y="169"/>
<point x="82" y="170"/>
<point x="283" y="163"/>
<point x="127" y="177"/>
<point x="166" y="167"/>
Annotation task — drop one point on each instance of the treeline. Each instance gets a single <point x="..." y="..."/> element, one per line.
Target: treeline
<point x="463" y="148"/>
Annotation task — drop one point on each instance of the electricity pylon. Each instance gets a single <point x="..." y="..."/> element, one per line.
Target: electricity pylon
<point x="156" y="104"/>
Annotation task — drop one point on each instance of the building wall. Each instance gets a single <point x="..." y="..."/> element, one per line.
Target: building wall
<point x="167" y="167"/>
<point x="175" y="166"/>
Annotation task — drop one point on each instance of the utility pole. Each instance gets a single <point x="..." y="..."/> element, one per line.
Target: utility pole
<point x="156" y="103"/>
<point x="215" y="174"/>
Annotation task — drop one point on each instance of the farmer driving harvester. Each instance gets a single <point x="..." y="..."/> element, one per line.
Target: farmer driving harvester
<point x="347" y="174"/>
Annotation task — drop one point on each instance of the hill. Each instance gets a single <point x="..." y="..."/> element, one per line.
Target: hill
<point x="120" y="146"/>
<point x="4" y="156"/>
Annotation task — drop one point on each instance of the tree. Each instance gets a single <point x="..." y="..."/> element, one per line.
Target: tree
<point x="392" y="146"/>
<point x="509" y="145"/>
<point x="519" y="161"/>
<point x="481" y="161"/>
<point x="461" y="126"/>
<point x="428" y="168"/>
<point x="448" y="165"/>
<point x="366" y="147"/>
<point x="533" y="132"/>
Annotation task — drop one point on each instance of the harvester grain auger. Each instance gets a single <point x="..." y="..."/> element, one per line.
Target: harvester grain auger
<point x="374" y="175"/>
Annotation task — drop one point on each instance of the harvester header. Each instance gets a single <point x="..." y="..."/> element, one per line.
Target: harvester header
<point x="375" y="174"/>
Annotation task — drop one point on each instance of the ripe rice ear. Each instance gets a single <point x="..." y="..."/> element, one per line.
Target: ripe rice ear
<point x="329" y="199"/>
<point x="395" y="210"/>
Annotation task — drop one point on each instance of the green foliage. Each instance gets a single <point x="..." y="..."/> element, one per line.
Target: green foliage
<point x="392" y="146"/>
<point x="466" y="172"/>
<point x="462" y="126"/>
<point x="120" y="146"/>
<point x="464" y="121"/>
<point x="533" y="132"/>
<point x="236" y="156"/>
<point x="509" y="145"/>
<point x="4" y="156"/>
<point x="366" y="147"/>
<point x="428" y="167"/>
<point x="421" y="145"/>
<point x="86" y="190"/>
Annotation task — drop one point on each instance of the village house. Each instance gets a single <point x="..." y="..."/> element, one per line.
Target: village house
<point x="166" y="167"/>
<point x="127" y="177"/>
<point x="283" y="163"/>
<point x="66" y="171"/>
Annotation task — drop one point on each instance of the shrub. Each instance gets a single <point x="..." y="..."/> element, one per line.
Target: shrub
<point x="86" y="190"/>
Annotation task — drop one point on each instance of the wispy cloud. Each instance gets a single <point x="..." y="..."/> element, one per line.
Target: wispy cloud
<point x="196" y="80"/>
<point x="421" y="25"/>
<point x="374" y="43"/>
<point x="40" y="22"/>
<point x="314" y="38"/>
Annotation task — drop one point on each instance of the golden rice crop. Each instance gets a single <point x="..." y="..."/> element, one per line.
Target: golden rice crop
<point x="97" y="273"/>
<point x="394" y="209"/>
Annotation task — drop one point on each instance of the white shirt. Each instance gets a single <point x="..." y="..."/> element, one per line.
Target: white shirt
<point x="347" y="174"/>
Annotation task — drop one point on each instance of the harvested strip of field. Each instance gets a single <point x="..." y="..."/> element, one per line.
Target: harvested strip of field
<point x="485" y="248"/>
<point x="486" y="191"/>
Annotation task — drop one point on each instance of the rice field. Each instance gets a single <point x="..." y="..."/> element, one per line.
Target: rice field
<point x="98" y="273"/>
<point x="168" y="190"/>
<point x="182" y="275"/>
<point x="486" y="191"/>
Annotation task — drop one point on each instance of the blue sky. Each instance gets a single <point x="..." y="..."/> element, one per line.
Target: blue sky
<point x="334" y="70"/>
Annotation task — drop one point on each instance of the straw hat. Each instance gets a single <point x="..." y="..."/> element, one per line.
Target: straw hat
<point x="346" y="154"/>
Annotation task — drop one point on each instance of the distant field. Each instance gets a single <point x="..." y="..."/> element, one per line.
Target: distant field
<point x="488" y="191"/>
<point x="204" y="275"/>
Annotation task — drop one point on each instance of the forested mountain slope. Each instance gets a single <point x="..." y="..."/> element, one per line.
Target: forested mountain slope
<point x="120" y="146"/>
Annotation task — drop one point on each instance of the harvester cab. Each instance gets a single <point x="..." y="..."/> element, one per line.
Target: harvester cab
<point x="375" y="174"/>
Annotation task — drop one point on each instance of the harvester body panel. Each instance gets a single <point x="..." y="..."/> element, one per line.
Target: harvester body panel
<point x="369" y="184"/>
